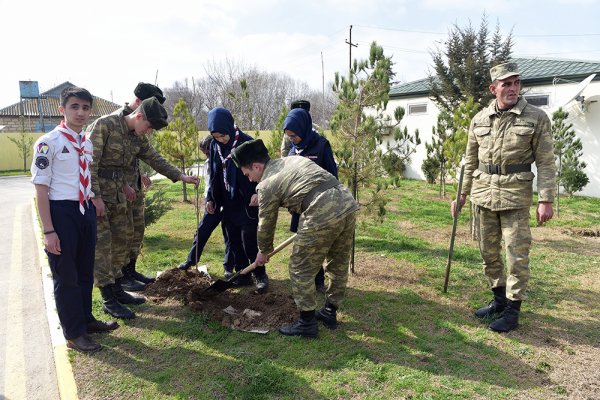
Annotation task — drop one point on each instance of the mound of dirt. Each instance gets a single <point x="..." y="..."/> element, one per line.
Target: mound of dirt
<point x="238" y="308"/>
<point x="583" y="232"/>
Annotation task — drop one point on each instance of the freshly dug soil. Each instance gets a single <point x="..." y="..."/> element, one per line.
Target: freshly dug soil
<point x="238" y="308"/>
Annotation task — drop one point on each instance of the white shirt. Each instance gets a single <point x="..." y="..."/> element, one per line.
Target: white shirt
<point x="56" y="164"/>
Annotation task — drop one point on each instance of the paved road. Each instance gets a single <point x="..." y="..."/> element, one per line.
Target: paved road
<point x="27" y="368"/>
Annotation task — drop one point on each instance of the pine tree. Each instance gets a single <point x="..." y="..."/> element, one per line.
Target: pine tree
<point x="461" y="68"/>
<point x="360" y="133"/>
<point x="277" y="134"/>
<point x="179" y="141"/>
<point x="568" y="151"/>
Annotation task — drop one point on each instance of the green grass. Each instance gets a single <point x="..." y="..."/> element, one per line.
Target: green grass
<point x="400" y="335"/>
<point x="15" y="172"/>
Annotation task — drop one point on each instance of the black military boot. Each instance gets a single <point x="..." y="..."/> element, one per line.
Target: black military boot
<point x="328" y="315"/>
<point x="127" y="298"/>
<point x="262" y="281"/>
<point x="496" y="306"/>
<point x="306" y="326"/>
<point x="112" y="306"/>
<point x="136" y="275"/>
<point x="129" y="283"/>
<point x="510" y="318"/>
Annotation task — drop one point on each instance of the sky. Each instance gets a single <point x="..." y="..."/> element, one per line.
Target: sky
<point x="109" y="46"/>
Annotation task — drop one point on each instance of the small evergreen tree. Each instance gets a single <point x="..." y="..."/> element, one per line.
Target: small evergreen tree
<point x="24" y="145"/>
<point x="568" y="151"/>
<point x="277" y="134"/>
<point x="436" y="159"/>
<point x="358" y="121"/>
<point x="461" y="67"/>
<point x="179" y="141"/>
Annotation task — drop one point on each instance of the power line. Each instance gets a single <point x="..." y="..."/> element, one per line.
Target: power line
<point x="445" y="33"/>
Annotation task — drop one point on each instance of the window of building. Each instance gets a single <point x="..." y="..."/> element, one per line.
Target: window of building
<point x="539" y="100"/>
<point x="417" y="109"/>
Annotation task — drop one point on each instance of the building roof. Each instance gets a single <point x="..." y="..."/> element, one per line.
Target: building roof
<point x="534" y="72"/>
<point x="49" y="102"/>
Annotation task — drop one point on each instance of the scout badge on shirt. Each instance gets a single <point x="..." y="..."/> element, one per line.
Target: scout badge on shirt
<point x="65" y="150"/>
<point x="43" y="148"/>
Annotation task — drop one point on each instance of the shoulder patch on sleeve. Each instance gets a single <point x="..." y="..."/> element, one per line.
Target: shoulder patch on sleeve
<point x="43" y="148"/>
<point x="42" y="162"/>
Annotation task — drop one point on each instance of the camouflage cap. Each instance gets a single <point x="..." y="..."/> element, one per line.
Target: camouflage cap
<point x="504" y="71"/>
<point x="144" y="91"/>
<point x="249" y="152"/>
<point x="155" y="113"/>
<point x="304" y="104"/>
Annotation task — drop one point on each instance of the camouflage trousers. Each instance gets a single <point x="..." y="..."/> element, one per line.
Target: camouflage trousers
<point x="513" y="227"/>
<point x="112" y="244"/>
<point x="136" y="209"/>
<point x="331" y="242"/>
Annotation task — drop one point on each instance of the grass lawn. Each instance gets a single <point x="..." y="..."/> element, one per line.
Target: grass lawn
<point x="15" y="172"/>
<point x="399" y="337"/>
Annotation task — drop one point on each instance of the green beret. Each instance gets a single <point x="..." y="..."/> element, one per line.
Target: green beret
<point x="144" y="91"/>
<point x="249" y="152"/>
<point x="304" y="104"/>
<point x="504" y="71"/>
<point x="155" y="113"/>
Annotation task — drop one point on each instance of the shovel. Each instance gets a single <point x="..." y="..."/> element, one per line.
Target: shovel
<point x="222" y="285"/>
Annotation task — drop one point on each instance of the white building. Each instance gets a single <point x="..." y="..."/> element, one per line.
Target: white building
<point x="546" y="83"/>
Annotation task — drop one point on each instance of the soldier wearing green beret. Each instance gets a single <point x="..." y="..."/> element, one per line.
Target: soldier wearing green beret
<point x="505" y="139"/>
<point x="327" y="218"/>
<point x="118" y="140"/>
<point x="133" y="280"/>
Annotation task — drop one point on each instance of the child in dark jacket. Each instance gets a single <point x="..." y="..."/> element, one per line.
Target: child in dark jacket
<point x="232" y="193"/>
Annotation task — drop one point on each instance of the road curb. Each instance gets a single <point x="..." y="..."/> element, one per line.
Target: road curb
<point x="67" y="387"/>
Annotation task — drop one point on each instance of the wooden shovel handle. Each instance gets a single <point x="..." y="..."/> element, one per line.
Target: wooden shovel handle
<point x="277" y="249"/>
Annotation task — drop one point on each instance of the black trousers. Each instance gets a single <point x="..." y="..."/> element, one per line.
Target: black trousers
<point x="209" y="223"/>
<point x="73" y="269"/>
<point x="243" y="243"/>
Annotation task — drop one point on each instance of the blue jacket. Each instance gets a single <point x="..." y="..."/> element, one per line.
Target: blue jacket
<point x="313" y="146"/>
<point x="236" y="200"/>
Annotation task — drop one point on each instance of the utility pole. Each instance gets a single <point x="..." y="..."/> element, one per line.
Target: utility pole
<point x="350" y="45"/>
<point x="323" y="79"/>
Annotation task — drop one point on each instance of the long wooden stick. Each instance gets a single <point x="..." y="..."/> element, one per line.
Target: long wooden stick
<point x="454" y="223"/>
<point x="277" y="249"/>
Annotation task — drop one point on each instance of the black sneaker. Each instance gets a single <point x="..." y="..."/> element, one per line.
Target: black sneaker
<point x="262" y="282"/>
<point x="184" y="266"/>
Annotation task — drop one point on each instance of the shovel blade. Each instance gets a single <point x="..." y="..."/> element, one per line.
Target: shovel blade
<point x="219" y="286"/>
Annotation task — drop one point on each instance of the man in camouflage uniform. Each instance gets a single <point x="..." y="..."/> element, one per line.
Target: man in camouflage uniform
<point x="118" y="140"/>
<point x="327" y="218"/>
<point x="504" y="140"/>
<point x="133" y="280"/>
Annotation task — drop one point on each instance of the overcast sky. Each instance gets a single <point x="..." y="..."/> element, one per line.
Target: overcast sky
<point x="109" y="46"/>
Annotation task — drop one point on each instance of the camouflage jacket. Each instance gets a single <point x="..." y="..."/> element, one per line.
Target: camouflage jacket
<point x="115" y="149"/>
<point x="520" y="135"/>
<point x="285" y="183"/>
<point x="132" y="174"/>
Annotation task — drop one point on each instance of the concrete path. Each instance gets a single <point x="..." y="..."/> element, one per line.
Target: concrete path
<point x="33" y="355"/>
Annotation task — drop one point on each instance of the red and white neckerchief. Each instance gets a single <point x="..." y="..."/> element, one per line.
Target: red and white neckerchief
<point x="225" y="159"/>
<point x="78" y="142"/>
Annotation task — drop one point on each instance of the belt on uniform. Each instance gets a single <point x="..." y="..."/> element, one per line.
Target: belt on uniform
<point x="110" y="173"/>
<point x="498" y="169"/>
<point x="320" y="188"/>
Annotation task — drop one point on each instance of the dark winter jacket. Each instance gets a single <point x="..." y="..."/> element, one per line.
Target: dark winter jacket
<point x="236" y="199"/>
